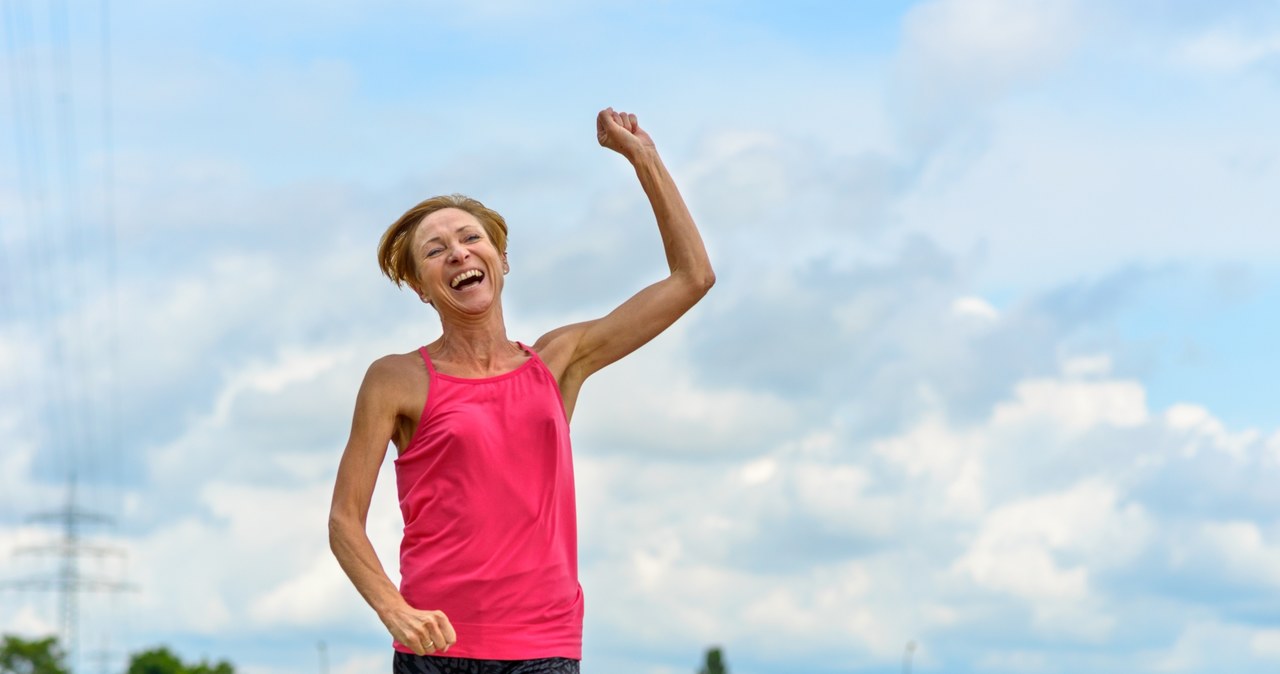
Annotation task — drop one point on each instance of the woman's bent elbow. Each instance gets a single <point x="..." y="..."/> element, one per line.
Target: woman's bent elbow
<point x="338" y="526"/>
<point x="702" y="283"/>
<point x="707" y="280"/>
<point x="696" y="281"/>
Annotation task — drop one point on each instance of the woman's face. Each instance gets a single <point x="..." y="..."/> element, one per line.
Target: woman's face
<point x="458" y="267"/>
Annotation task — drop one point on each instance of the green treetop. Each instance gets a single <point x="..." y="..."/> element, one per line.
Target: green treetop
<point x="32" y="656"/>
<point x="714" y="663"/>
<point x="162" y="661"/>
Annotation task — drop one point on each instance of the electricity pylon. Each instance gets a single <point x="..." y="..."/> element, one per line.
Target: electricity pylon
<point x="70" y="581"/>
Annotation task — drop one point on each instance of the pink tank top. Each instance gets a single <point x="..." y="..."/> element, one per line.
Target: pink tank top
<point x="490" y="524"/>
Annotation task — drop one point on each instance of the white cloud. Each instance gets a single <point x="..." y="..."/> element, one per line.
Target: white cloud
<point x="1118" y="190"/>
<point x="951" y="460"/>
<point x="957" y="56"/>
<point x="27" y="621"/>
<point x="261" y="561"/>
<point x="22" y="495"/>
<point x="292" y="367"/>
<point x="1221" y="49"/>
<point x="1208" y="645"/>
<point x="363" y="664"/>
<point x="1075" y="406"/>
<point x="996" y="41"/>
<point x="238" y="502"/>
<point x="1242" y="550"/>
<point x="18" y="353"/>
<point x="651" y="403"/>
<point x="313" y="591"/>
<point x="1087" y="366"/>
<point x="1053" y="551"/>
<point x="1018" y="546"/>
<point x="1266" y="643"/>
<point x="974" y="306"/>
<point x="1201" y="429"/>
<point x="759" y="471"/>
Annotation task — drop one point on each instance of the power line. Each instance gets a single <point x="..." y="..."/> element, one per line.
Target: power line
<point x="72" y="274"/>
<point x="111" y="249"/>
<point x="72" y="398"/>
<point x="45" y="393"/>
<point x="42" y="230"/>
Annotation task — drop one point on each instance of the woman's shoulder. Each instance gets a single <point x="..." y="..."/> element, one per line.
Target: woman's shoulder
<point x="397" y="369"/>
<point x="556" y="347"/>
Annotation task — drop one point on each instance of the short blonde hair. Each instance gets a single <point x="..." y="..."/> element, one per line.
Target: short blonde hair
<point x="395" y="254"/>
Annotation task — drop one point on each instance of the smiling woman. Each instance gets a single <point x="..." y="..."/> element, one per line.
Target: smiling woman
<point x="396" y="252"/>
<point x="484" y="469"/>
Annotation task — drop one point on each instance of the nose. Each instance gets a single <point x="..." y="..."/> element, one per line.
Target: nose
<point x="458" y="252"/>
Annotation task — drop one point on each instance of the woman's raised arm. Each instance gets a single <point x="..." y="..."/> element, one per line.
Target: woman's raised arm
<point x="585" y="348"/>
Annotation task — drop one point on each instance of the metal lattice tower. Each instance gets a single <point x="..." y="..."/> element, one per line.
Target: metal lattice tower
<point x="70" y="581"/>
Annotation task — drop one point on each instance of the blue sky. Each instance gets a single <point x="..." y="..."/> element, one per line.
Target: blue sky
<point x="988" y="367"/>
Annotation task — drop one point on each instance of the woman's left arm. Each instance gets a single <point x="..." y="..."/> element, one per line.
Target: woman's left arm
<point x="587" y="347"/>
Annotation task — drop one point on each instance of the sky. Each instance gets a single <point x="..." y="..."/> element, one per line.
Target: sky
<point x="987" y="378"/>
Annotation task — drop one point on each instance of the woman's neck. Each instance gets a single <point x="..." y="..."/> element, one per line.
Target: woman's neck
<point x="480" y="345"/>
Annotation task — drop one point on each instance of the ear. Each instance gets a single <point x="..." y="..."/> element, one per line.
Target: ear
<point x="422" y="295"/>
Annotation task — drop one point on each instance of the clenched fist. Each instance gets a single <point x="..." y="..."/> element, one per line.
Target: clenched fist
<point x="620" y="132"/>
<point x="424" y="632"/>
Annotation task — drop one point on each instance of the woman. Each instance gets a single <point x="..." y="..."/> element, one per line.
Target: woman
<point x="484" y="473"/>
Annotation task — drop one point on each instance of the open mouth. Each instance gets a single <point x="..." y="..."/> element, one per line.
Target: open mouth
<point x="466" y="279"/>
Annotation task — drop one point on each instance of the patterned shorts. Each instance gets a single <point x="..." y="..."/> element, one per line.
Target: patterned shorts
<point x="408" y="663"/>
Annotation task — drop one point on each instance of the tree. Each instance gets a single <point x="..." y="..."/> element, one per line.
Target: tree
<point x="162" y="661"/>
<point x="715" y="662"/>
<point x="39" y="656"/>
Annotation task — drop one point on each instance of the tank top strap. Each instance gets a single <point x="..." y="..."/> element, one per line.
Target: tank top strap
<point x="533" y="355"/>
<point x="426" y="358"/>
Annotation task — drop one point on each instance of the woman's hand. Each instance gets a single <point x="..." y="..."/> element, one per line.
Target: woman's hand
<point x="620" y="132"/>
<point x="424" y="632"/>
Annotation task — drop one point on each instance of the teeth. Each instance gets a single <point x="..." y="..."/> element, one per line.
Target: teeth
<point x="464" y="276"/>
